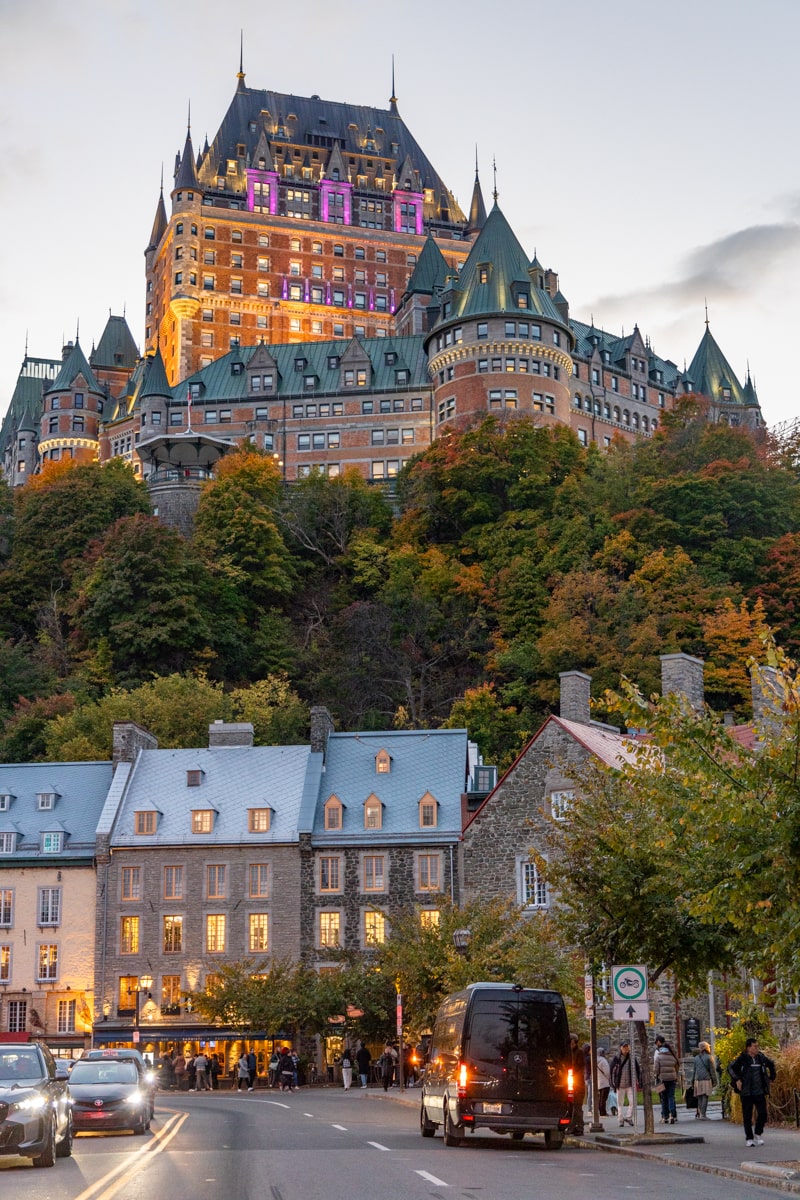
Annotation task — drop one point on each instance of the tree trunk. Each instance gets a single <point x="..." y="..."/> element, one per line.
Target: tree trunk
<point x="644" y="1063"/>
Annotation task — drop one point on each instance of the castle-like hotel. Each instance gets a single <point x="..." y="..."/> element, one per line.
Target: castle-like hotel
<point x="317" y="291"/>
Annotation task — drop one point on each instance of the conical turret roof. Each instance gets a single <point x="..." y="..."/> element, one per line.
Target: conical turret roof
<point x="159" y="223"/>
<point x="116" y="347"/>
<point x="477" y="208"/>
<point x="186" y="175"/>
<point x="430" y="271"/>
<point x="155" y="380"/>
<point x="75" y="364"/>
<point x="710" y="372"/>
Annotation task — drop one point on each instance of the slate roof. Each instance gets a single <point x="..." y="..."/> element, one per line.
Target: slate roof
<point x="235" y="778"/>
<point x="430" y="271"/>
<point x="74" y="364"/>
<point x="589" y="336"/>
<point x="116" y="347"/>
<point x="710" y="372"/>
<point x="25" y="409"/>
<point x="434" y="761"/>
<point x="81" y="794"/>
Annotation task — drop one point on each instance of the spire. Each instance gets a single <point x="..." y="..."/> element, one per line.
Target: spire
<point x="240" y="73"/>
<point x="160" y="219"/>
<point x="494" y="189"/>
<point x="393" y="97"/>
<point x="477" y="208"/>
<point x="186" y="174"/>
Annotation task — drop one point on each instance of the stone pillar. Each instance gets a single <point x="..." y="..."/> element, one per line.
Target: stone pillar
<point x="575" y="696"/>
<point x="128" y="739"/>
<point x="767" y="698"/>
<point x="321" y="728"/>
<point x="682" y="675"/>
<point x="230" y="733"/>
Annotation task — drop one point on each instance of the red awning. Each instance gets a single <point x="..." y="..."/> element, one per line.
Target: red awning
<point x="15" y="1037"/>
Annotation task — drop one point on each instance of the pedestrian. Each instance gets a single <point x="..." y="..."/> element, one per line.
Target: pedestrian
<point x="200" y="1069"/>
<point x="272" y="1069"/>
<point x="704" y="1079"/>
<point x="347" y="1068"/>
<point x="214" y="1068"/>
<point x="179" y="1066"/>
<point x="625" y="1082"/>
<point x="587" y="1074"/>
<point x="252" y="1067"/>
<point x="665" y="1072"/>
<point x="191" y="1072"/>
<point x="603" y="1082"/>
<point x="387" y="1064"/>
<point x="752" y="1073"/>
<point x="576" y="1061"/>
<point x="295" y="1067"/>
<point x="363" y="1058"/>
<point x="242" y="1072"/>
<point x="286" y="1070"/>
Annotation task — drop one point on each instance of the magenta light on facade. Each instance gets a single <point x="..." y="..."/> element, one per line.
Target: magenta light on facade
<point x="307" y="292"/>
<point x="285" y="289"/>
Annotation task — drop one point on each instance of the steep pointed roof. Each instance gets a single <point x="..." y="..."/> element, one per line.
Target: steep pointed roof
<point x="750" y="396"/>
<point x="477" y="208"/>
<point x="116" y="347"/>
<point x="430" y="272"/>
<point x="155" y="379"/>
<point x="186" y="175"/>
<point x="710" y="372"/>
<point x="159" y="223"/>
<point x="75" y="364"/>
<point x="496" y="267"/>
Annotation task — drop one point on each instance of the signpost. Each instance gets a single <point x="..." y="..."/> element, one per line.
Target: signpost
<point x="631" y="1003"/>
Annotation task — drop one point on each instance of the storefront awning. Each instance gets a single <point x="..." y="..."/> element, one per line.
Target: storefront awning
<point x="167" y="1033"/>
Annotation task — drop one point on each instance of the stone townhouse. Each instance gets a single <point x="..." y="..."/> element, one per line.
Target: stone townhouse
<point x="48" y="816"/>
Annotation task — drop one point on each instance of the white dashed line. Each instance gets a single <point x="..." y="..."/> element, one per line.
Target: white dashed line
<point x="342" y="1127"/>
<point x="308" y="1114"/>
<point x="378" y="1146"/>
<point x="432" y="1178"/>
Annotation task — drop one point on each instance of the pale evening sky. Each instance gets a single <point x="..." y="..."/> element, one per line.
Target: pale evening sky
<point x="645" y="149"/>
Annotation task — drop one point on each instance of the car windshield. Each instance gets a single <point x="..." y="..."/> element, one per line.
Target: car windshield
<point x="103" y="1073"/>
<point x="17" y="1065"/>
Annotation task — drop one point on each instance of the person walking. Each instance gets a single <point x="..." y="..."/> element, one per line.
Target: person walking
<point x="577" y="1062"/>
<point x="387" y="1064"/>
<point x="625" y="1080"/>
<point x="179" y="1066"/>
<point x="242" y="1072"/>
<point x="272" y="1070"/>
<point x="191" y="1072"/>
<point x="704" y="1079"/>
<point x="347" y="1068"/>
<point x="665" y="1073"/>
<point x="363" y="1058"/>
<point x="286" y="1070"/>
<point x="603" y="1083"/>
<point x="752" y="1073"/>
<point x="252" y="1068"/>
<point x="214" y="1068"/>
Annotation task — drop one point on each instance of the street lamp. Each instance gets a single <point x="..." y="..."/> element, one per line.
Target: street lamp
<point x="143" y="984"/>
<point x="461" y="940"/>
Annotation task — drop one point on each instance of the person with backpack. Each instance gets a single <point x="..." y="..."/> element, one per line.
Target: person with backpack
<point x="751" y="1074"/>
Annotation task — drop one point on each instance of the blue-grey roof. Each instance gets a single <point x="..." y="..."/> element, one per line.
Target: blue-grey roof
<point x="434" y="761"/>
<point x="234" y="779"/>
<point x="81" y="790"/>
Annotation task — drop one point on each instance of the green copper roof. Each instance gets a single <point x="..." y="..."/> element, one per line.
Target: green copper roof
<point x="155" y="380"/>
<point x="430" y="272"/>
<point x="74" y="364"/>
<point x="710" y="372"/>
<point x="116" y="347"/>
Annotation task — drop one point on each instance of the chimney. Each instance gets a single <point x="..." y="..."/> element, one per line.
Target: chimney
<point x="321" y="728"/>
<point x="575" y="693"/>
<point x="223" y="734"/>
<point x="767" y="699"/>
<point x="127" y="740"/>
<point x="682" y="675"/>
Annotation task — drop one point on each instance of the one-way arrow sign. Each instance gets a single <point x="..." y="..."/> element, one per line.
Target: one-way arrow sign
<point x="631" y="1010"/>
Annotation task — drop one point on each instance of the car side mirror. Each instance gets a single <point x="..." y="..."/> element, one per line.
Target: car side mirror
<point x="61" y="1075"/>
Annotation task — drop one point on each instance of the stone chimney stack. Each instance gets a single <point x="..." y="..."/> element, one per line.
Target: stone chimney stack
<point x="321" y="728"/>
<point x="575" y="695"/>
<point x="767" y="698"/>
<point x="229" y="733"/>
<point x="682" y="675"/>
<point x="127" y="740"/>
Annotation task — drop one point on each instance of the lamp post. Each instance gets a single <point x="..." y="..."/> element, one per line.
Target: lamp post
<point x="461" y="941"/>
<point x="143" y="984"/>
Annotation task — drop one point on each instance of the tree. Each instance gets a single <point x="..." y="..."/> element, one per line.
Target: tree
<point x="496" y="728"/>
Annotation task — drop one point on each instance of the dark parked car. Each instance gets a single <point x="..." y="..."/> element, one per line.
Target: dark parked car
<point x="110" y="1093"/>
<point x="35" y="1112"/>
<point x="125" y="1052"/>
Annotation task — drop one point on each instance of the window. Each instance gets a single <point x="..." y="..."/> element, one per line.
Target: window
<point x="483" y="329"/>
<point x="17" y="1016"/>
<point x="45" y="801"/>
<point x="173" y="934"/>
<point x="202" y="820"/>
<point x="374" y="928"/>
<point x="8" y="843"/>
<point x="173" y="883"/>
<point x="5" y="965"/>
<point x="259" y="880"/>
<point x="215" y="933"/>
<point x="216" y="881"/>
<point x="47" y="959"/>
<point x="49" y="906"/>
<point x="329" y="928"/>
<point x="52" y="843"/>
<point x="66" y="1016"/>
<point x="194" y="778"/>
<point x="533" y="888"/>
<point x="170" y="995"/>
<point x="6" y="907"/>
<point x="374" y="877"/>
<point x="129" y="935"/>
<point x="330" y="873"/>
<point x="560" y="803"/>
<point x="373" y="813"/>
<point x="429" y="918"/>
<point x="210" y="233"/>
<point x="258" y="933"/>
<point x="427" y="812"/>
<point x="258" y="820"/>
<point x="144" y="822"/>
<point x="429" y="873"/>
<point x="333" y="813"/>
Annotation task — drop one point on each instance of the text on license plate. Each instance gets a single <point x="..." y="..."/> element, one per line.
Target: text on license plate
<point x="493" y="1108"/>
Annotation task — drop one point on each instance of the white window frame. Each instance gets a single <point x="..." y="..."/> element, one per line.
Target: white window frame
<point x="532" y="889"/>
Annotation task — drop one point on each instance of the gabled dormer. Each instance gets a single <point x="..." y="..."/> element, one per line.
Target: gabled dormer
<point x="333" y="814"/>
<point x="46" y="800"/>
<point x="53" y="838"/>
<point x="263" y="376"/>
<point x="383" y="762"/>
<point x="428" y="812"/>
<point x="262" y="155"/>
<point x="6" y="800"/>
<point x="336" y="171"/>
<point x="195" y="777"/>
<point x="373" y="812"/>
<point x="355" y="368"/>
<point x="204" y="820"/>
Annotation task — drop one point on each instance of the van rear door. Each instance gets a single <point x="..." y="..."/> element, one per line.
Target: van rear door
<point x="514" y="1046"/>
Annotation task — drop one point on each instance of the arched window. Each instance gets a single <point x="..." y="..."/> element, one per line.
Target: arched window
<point x="626" y="417"/>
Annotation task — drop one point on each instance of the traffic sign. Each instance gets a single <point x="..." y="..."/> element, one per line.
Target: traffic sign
<point x="631" y="1010"/>
<point x="629" y="984"/>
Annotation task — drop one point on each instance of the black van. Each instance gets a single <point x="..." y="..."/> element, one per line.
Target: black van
<point x="499" y="1059"/>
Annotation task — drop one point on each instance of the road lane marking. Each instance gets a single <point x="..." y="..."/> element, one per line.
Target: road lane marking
<point x="134" y="1162"/>
<point x="342" y="1127"/>
<point x="308" y="1114"/>
<point x="432" y="1178"/>
<point x="378" y="1146"/>
<point x="277" y="1103"/>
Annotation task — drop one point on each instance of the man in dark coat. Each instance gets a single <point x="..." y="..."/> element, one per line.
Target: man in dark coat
<point x="752" y="1073"/>
<point x="363" y="1058"/>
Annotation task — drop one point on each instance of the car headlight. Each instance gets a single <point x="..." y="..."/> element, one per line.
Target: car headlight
<point x="135" y="1098"/>
<point x="150" y="1077"/>
<point x="33" y="1103"/>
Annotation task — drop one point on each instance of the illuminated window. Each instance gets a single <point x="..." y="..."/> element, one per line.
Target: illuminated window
<point x="330" y="924"/>
<point x="383" y="760"/>
<point x="374" y="876"/>
<point x="429" y="873"/>
<point x="65" y="1016"/>
<point x="333" y="813"/>
<point x="47" y="956"/>
<point x="170" y="995"/>
<point x="5" y="965"/>
<point x="373" y="813"/>
<point x="258" y="820"/>
<point x="202" y="820"/>
<point x="215" y="933"/>
<point x="259" y="880"/>
<point x="173" y="934"/>
<point x="216" y="881"/>
<point x="129" y="935"/>
<point x="258" y="933"/>
<point x="374" y="928"/>
<point x="144" y="822"/>
<point x="428" y="812"/>
<point x="330" y="873"/>
<point x="429" y="918"/>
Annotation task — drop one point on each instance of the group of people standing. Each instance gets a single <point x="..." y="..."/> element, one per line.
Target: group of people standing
<point x="195" y="1073"/>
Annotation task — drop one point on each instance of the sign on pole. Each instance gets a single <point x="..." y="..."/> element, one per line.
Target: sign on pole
<point x="629" y="992"/>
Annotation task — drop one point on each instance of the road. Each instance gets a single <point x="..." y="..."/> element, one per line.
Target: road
<point x="318" y="1144"/>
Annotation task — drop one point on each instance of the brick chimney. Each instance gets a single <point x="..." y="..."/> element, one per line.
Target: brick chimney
<point x="575" y="694"/>
<point x="321" y="728"/>
<point x="682" y="675"/>
<point x="127" y="740"/>
<point x="229" y="733"/>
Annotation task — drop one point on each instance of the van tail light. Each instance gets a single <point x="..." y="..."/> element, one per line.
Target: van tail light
<point x="570" y="1085"/>
<point x="462" y="1080"/>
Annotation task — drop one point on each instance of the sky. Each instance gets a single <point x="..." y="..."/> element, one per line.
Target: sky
<point x="645" y="149"/>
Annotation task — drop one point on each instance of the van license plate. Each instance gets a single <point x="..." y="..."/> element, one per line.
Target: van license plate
<point x="493" y="1108"/>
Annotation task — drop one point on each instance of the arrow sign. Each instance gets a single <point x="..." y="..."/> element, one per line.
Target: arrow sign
<point x="631" y="1010"/>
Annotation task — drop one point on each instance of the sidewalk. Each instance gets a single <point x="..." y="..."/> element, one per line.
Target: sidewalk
<point x="715" y="1147"/>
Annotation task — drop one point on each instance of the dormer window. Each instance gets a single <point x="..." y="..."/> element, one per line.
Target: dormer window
<point x="8" y="843"/>
<point x="258" y="820"/>
<point x="5" y="801"/>
<point x="144" y="822"/>
<point x="52" y="842"/>
<point x="373" y="813"/>
<point x="45" y="801"/>
<point x="334" y="811"/>
<point x="383" y="762"/>
<point x="483" y="273"/>
<point x="194" y="778"/>
<point x="202" y="820"/>
<point x="428" y="812"/>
